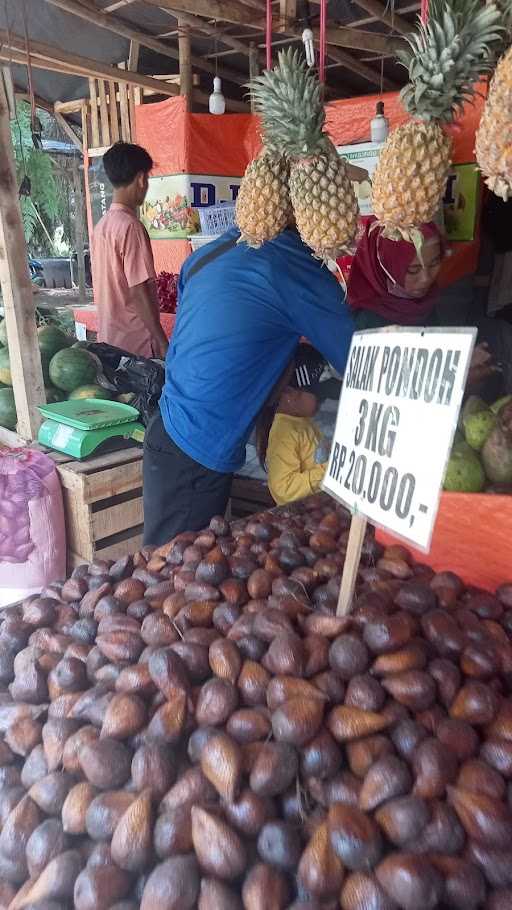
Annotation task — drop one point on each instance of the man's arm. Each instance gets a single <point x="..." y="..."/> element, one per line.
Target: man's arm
<point x="145" y="302"/>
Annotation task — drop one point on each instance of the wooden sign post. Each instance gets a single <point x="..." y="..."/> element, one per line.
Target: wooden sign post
<point x="396" y="422"/>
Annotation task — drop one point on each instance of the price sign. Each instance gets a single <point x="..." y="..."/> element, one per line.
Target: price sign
<point x="397" y="416"/>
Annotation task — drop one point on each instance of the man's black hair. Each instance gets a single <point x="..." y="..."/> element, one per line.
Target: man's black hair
<point x="124" y="161"/>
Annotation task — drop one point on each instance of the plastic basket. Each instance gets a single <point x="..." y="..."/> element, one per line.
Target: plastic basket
<point x="215" y="219"/>
<point x="199" y="240"/>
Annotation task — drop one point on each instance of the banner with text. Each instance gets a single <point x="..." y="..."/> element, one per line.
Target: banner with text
<point x="396" y="421"/>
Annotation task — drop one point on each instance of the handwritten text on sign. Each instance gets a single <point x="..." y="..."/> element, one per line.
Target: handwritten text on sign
<point x="396" y="420"/>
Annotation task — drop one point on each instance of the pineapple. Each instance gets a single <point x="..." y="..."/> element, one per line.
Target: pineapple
<point x="494" y="135"/>
<point x="263" y="207"/>
<point x="449" y="53"/>
<point x="289" y="99"/>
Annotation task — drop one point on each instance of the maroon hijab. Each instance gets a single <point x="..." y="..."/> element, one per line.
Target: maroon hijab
<point x="368" y="283"/>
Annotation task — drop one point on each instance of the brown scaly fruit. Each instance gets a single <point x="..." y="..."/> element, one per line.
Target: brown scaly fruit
<point x="444" y="60"/>
<point x="263" y="206"/>
<point x="290" y="101"/>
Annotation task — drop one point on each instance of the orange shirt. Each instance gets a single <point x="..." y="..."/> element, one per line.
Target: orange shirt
<point x="121" y="259"/>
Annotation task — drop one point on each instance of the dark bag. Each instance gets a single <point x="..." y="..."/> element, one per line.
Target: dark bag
<point x="127" y="373"/>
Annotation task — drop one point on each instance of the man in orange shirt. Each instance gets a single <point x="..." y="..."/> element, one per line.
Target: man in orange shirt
<point x="123" y="270"/>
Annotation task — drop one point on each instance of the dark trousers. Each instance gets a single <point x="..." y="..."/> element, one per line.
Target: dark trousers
<point x="179" y="494"/>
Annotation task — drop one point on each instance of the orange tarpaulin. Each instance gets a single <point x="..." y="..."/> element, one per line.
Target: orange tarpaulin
<point x="182" y="143"/>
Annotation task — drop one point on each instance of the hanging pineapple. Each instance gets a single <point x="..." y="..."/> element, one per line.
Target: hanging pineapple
<point x="263" y="207"/>
<point x="289" y="99"/>
<point x="494" y="136"/>
<point x="449" y="53"/>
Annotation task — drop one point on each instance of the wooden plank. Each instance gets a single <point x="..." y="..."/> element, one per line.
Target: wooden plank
<point x="121" y="27"/>
<point x="97" y="152"/>
<point x="385" y="13"/>
<point x="121" y="457"/>
<point x="78" y="525"/>
<point x="18" y="298"/>
<point x="112" y="482"/>
<point x="185" y="64"/>
<point x="113" y="112"/>
<point x="117" y="518"/>
<point x="45" y="56"/>
<point x="125" y="114"/>
<point x="85" y="127"/>
<point x="223" y="10"/>
<point x="66" y="128"/>
<point x="133" y="57"/>
<point x="131" y="106"/>
<point x="351" y="566"/>
<point x="95" y="123"/>
<point x="123" y="548"/>
<point x="104" y="118"/>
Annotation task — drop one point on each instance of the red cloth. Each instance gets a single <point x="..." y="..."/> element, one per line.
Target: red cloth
<point x="368" y="283"/>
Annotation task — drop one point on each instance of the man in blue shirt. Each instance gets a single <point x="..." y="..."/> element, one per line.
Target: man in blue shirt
<point x="241" y="314"/>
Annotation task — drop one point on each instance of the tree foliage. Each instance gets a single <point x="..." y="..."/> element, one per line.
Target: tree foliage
<point x="48" y="203"/>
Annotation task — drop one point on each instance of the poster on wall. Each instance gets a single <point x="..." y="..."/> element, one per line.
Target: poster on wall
<point x="460" y="203"/>
<point x="100" y="189"/>
<point x="170" y="211"/>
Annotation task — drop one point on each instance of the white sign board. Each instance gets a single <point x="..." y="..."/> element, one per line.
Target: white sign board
<point x="396" y="421"/>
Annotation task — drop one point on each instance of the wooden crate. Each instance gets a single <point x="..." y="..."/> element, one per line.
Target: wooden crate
<point x="249" y="496"/>
<point x="103" y="505"/>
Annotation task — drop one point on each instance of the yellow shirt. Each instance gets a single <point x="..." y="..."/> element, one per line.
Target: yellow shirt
<point x="292" y="470"/>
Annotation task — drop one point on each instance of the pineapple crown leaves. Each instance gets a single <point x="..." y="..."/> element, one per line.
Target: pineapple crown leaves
<point x="447" y="56"/>
<point x="290" y="102"/>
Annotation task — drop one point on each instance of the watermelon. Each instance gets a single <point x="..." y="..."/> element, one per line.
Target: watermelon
<point x="5" y="367"/>
<point x="51" y="339"/>
<point x="71" y="368"/>
<point x="90" y="391"/>
<point x="8" y="416"/>
<point x="3" y="333"/>
<point x="53" y="395"/>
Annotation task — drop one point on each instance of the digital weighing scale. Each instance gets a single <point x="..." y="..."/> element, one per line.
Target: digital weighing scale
<point x="79" y="427"/>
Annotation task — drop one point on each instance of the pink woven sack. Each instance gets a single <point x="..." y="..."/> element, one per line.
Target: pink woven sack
<point x="32" y="531"/>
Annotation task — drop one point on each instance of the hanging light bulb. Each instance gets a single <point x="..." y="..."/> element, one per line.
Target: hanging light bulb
<point x="379" y="126"/>
<point x="309" y="46"/>
<point x="217" y="101"/>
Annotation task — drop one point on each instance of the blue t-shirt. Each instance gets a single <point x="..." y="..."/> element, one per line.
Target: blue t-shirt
<point x="240" y="318"/>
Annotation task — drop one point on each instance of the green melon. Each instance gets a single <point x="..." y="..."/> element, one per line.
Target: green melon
<point x="5" y="367"/>
<point x="3" y="333"/>
<point x="71" y="368"/>
<point x="54" y="395"/>
<point x="51" y="339"/>
<point x="8" y="416"/>
<point x="90" y="391"/>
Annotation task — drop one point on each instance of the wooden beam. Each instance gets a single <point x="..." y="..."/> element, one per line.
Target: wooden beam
<point x="362" y="69"/>
<point x="287" y="12"/>
<point x="120" y="27"/>
<point x="221" y="10"/>
<point x="356" y="39"/>
<point x="95" y="120"/>
<point x="385" y="14"/>
<point x="75" y="64"/>
<point x="18" y="299"/>
<point x="254" y="69"/>
<point x="66" y="128"/>
<point x="198" y="23"/>
<point x="113" y="112"/>
<point x="185" y="64"/>
<point x="133" y="57"/>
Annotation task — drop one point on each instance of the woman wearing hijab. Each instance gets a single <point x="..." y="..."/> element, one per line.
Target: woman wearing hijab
<point x="389" y="284"/>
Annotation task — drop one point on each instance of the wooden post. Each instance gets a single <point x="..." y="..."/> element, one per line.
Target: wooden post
<point x="17" y="293"/>
<point x="254" y="67"/>
<point x="79" y="229"/>
<point x="185" y="63"/>
<point x="351" y="567"/>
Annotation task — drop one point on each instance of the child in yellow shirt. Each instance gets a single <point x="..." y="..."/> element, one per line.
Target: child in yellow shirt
<point x="289" y="443"/>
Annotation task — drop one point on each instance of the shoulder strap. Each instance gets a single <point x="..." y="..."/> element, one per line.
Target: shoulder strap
<point x="211" y="256"/>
